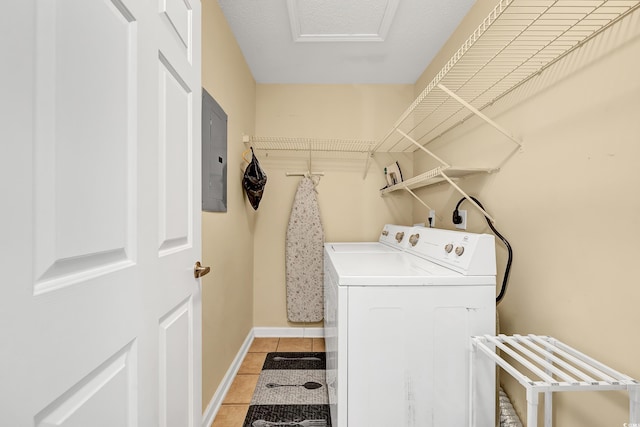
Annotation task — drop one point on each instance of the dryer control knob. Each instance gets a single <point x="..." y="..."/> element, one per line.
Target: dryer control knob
<point x="448" y="248"/>
<point x="414" y="239"/>
<point x="459" y="250"/>
<point x="385" y="233"/>
<point x="399" y="236"/>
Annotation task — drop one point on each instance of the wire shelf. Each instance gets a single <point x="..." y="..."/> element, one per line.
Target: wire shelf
<point x="311" y="144"/>
<point x="435" y="176"/>
<point x="519" y="39"/>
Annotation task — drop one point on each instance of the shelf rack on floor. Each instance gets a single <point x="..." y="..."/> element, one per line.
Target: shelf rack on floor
<point x="556" y="366"/>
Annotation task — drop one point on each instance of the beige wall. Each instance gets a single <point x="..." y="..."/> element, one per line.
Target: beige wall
<point x="227" y="238"/>
<point x="569" y="205"/>
<point x="351" y="208"/>
<point x="568" y="202"/>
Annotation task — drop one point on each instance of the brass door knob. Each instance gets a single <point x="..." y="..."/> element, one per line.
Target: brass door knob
<point x="199" y="270"/>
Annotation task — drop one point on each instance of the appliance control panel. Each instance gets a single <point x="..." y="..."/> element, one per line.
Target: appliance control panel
<point x="467" y="253"/>
<point x="395" y="235"/>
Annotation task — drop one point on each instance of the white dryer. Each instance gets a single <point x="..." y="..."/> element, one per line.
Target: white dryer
<point x="393" y="238"/>
<point x="398" y="327"/>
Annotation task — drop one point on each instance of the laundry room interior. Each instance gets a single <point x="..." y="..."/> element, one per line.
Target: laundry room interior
<point x="565" y="195"/>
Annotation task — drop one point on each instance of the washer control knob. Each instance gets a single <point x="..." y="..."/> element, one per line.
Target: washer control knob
<point x="385" y="233"/>
<point x="448" y="248"/>
<point x="414" y="239"/>
<point x="459" y="250"/>
<point x="399" y="236"/>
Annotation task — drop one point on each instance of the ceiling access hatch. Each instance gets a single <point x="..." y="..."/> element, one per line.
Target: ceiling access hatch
<point x="341" y="20"/>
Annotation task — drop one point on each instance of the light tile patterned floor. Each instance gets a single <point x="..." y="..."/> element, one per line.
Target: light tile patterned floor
<point x="236" y="403"/>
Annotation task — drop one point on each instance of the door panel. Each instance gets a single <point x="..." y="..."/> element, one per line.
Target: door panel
<point x="179" y="199"/>
<point x="100" y="312"/>
<point x="178" y="12"/>
<point x="176" y="371"/>
<point x="84" y="141"/>
<point x="107" y="396"/>
<point x="176" y="145"/>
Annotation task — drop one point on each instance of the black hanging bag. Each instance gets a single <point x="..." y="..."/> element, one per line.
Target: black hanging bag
<point x="254" y="181"/>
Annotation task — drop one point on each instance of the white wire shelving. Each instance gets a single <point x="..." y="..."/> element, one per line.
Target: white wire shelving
<point x="434" y="176"/>
<point x="517" y="41"/>
<point x="310" y="144"/>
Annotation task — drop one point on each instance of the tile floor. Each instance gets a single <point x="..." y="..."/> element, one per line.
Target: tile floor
<point x="236" y="402"/>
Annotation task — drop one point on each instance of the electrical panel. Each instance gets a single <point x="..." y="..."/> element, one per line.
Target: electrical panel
<point x="214" y="155"/>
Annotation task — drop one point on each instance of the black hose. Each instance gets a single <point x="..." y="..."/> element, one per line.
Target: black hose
<point x="507" y="269"/>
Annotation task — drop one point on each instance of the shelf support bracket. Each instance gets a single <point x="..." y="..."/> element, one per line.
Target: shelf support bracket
<point x="478" y="113"/>
<point x="466" y="196"/>
<point x="310" y="159"/>
<point x="368" y="156"/>
<point x="416" y="197"/>
<point x="417" y="144"/>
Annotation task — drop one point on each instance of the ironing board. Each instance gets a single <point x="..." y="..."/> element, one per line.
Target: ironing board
<point x="303" y="257"/>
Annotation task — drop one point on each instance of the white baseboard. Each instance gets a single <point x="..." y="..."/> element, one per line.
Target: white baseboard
<point x="257" y="332"/>
<point x="218" y="397"/>
<point x="264" y="332"/>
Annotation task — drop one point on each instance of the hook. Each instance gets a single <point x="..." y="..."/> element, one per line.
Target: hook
<point x="315" y="180"/>
<point x="245" y="152"/>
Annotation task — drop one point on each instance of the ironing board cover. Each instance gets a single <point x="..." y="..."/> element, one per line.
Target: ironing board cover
<point x="303" y="255"/>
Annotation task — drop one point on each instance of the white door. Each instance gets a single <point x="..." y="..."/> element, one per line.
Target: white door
<point x="100" y="188"/>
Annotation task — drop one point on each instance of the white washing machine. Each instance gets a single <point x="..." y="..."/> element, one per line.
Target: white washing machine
<point x="398" y="327"/>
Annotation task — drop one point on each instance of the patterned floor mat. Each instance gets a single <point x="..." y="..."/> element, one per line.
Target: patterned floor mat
<point x="291" y="392"/>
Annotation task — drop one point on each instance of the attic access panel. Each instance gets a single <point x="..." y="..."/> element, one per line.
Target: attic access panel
<point x="214" y="155"/>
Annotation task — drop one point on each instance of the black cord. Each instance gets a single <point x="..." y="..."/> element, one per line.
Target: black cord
<point x="507" y="269"/>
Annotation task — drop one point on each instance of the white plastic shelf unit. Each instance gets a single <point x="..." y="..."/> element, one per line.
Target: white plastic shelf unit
<point x="554" y="367"/>
<point x="518" y="40"/>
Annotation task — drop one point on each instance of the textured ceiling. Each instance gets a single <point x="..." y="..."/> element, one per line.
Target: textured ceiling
<point x="341" y="41"/>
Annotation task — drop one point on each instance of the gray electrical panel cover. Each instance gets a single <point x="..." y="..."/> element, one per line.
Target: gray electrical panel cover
<point x="214" y="155"/>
